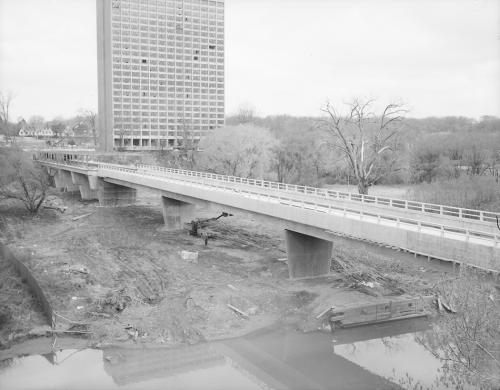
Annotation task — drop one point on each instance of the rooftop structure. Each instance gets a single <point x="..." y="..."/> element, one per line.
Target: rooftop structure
<point x="160" y="72"/>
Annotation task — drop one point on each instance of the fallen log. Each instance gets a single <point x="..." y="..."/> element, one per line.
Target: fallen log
<point x="81" y="216"/>
<point x="238" y="311"/>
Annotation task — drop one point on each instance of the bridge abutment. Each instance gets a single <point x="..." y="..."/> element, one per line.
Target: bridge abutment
<point x="83" y="182"/>
<point x="176" y="213"/>
<point x="111" y="194"/>
<point x="307" y="256"/>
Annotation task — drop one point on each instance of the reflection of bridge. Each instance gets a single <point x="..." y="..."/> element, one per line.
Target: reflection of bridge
<point x="273" y="359"/>
<point x="312" y="218"/>
<point x="139" y="365"/>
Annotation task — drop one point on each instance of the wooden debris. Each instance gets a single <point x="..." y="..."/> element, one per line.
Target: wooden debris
<point x="440" y="304"/>
<point x="69" y="331"/>
<point x="323" y="312"/>
<point x="62" y="209"/>
<point x="105" y="315"/>
<point x="380" y="312"/>
<point x="81" y="216"/>
<point x="238" y="311"/>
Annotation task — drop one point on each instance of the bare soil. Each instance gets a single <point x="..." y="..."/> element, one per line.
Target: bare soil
<point x="120" y="273"/>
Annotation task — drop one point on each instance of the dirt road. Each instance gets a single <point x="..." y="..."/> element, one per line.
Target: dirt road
<point x="121" y="273"/>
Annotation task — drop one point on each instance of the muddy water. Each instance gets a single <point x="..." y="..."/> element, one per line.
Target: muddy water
<point x="276" y="358"/>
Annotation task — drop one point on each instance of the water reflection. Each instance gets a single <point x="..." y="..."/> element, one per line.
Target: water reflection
<point x="279" y="358"/>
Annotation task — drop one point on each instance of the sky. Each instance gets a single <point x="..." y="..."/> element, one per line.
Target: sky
<point x="442" y="57"/>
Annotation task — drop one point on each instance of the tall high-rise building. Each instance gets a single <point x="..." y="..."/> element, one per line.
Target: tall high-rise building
<point x="160" y="72"/>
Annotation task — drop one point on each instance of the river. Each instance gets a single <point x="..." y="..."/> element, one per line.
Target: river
<point x="274" y="358"/>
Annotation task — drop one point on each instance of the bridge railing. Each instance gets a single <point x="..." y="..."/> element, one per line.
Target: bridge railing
<point x="489" y="239"/>
<point x="450" y="211"/>
<point x="83" y="160"/>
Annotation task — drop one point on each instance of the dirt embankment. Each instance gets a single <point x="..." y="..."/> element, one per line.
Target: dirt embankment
<point x="121" y="273"/>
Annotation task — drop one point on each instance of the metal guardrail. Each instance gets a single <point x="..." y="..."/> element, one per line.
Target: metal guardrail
<point x="455" y="212"/>
<point x="467" y="235"/>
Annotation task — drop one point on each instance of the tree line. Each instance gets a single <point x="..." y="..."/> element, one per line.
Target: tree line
<point x="359" y="145"/>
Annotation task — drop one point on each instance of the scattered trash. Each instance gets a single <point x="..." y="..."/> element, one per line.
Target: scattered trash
<point x="186" y="255"/>
<point x="283" y="259"/>
<point x="74" y="298"/>
<point x="252" y="311"/>
<point x="367" y="284"/>
<point x="79" y="307"/>
<point x="104" y="315"/>
<point x="82" y="270"/>
<point x="232" y="287"/>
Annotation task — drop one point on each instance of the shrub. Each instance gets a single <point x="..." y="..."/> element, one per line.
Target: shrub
<point x="476" y="192"/>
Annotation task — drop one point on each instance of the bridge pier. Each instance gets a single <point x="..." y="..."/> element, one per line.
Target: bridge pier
<point x="176" y="213"/>
<point x="111" y="194"/>
<point x="63" y="180"/>
<point x="307" y="256"/>
<point x="83" y="182"/>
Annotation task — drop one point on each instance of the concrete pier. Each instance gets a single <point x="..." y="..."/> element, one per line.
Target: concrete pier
<point x="115" y="195"/>
<point x="307" y="256"/>
<point x="176" y="213"/>
<point x="66" y="181"/>
<point x="83" y="182"/>
<point x="58" y="183"/>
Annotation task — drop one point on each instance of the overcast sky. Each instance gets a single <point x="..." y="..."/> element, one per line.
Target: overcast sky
<point x="282" y="56"/>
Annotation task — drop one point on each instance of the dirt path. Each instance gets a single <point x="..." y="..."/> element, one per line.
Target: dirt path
<point x="119" y="271"/>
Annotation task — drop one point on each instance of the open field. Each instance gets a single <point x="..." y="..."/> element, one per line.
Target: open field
<point x="119" y="271"/>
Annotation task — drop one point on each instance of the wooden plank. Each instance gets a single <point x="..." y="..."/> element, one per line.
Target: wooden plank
<point x="396" y="309"/>
<point x="238" y="311"/>
<point x="352" y="324"/>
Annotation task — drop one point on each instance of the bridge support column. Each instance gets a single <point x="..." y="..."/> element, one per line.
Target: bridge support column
<point x="83" y="182"/>
<point x="67" y="181"/>
<point x="307" y="256"/>
<point x="111" y="194"/>
<point x="58" y="183"/>
<point x="176" y="213"/>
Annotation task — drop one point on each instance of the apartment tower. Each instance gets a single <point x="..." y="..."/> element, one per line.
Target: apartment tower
<point x="160" y="72"/>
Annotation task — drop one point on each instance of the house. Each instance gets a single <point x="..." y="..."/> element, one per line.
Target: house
<point x="82" y="130"/>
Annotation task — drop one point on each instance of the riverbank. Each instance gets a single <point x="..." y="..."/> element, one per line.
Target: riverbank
<point x="117" y="271"/>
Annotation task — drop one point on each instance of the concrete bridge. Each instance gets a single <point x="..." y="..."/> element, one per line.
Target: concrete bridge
<point x="313" y="219"/>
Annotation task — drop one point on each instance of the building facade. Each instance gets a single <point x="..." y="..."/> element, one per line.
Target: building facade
<point x="160" y="72"/>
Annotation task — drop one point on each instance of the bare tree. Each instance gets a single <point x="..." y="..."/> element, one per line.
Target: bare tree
<point x="90" y="117"/>
<point x="6" y="98"/>
<point x="121" y="132"/>
<point x="23" y="179"/>
<point x="36" y="122"/>
<point x="370" y="142"/>
<point x="9" y="130"/>
<point x="244" y="113"/>
<point x="244" y="151"/>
